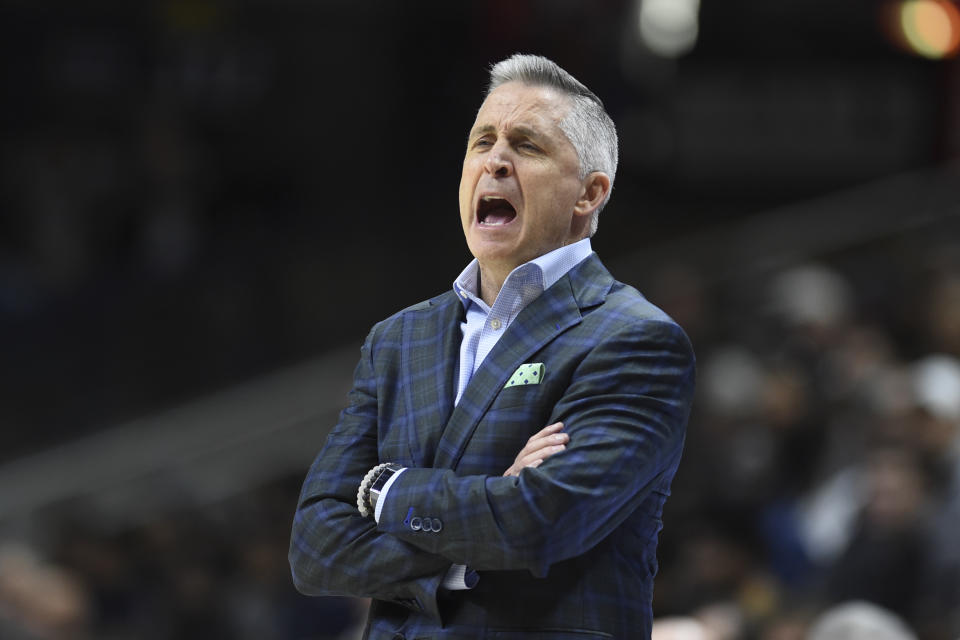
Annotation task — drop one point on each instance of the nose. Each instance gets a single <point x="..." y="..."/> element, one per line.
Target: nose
<point x="497" y="163"/>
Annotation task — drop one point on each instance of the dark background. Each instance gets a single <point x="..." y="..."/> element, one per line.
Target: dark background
<point x="196" y="194"/>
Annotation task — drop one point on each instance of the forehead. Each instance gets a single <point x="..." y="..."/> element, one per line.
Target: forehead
<point x="514" y="103"/>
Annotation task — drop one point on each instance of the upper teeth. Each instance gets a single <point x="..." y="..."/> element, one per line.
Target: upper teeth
<point x="489" y="198"/>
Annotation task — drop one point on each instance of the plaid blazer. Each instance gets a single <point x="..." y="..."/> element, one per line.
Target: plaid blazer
<point x="565" y="550"/>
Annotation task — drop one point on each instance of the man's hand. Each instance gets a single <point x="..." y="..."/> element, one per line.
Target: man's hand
<point x="539" y="447"/>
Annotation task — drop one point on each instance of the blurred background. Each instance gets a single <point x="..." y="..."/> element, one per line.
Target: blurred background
<point x="205" y="204"/>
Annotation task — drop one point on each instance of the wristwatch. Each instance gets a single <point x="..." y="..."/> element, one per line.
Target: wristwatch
<point x="381" y="482"/>
<point x="372" y="485"/>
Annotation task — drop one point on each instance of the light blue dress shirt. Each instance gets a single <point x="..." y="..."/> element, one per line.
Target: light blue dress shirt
<point x="483" y="327"/>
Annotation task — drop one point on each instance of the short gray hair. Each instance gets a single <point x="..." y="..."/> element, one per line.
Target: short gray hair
<point x="588" y="127"/>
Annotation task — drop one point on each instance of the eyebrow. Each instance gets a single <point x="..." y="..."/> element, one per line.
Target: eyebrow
<point x="519" y="129"/>
<point x="481" y="131"/>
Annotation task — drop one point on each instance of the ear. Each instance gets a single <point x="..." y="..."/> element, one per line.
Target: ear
<point x="596" y="186"/>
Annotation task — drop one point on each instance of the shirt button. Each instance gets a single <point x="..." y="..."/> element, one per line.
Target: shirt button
<point x="495" y="324"/>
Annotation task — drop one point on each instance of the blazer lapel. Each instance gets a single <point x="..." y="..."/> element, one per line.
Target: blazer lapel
<point x="428" y="380"/>
<point x="553" y="312"/>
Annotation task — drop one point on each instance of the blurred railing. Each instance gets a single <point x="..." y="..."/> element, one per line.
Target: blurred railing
<point x="809" y="229"/>
<point x="196" y="454"/>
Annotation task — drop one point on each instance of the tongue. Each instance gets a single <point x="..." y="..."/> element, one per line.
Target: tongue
<point x="499" y="216"/>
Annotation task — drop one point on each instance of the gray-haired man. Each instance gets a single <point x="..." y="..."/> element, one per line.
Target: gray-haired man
<point x="440" y="494"/>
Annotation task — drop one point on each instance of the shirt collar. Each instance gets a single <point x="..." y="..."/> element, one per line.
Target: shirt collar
<point x="552" y="266"/>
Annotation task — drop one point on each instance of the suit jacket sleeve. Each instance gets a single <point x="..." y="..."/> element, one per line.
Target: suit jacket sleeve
<point x="625" y="410"/>
<point x="333" y="549"/>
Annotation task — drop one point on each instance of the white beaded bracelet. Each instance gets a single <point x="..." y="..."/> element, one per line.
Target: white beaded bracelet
<point x="363" y="493"/>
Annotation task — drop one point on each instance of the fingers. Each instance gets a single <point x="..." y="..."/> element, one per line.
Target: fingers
<point x="547" y="442"/>
<point x="541" y="452"/>
<point x="548" y="437"/>
<point x="546" y="431"/>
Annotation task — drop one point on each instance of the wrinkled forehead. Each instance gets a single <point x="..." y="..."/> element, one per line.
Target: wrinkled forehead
<point x="516" y="103"/>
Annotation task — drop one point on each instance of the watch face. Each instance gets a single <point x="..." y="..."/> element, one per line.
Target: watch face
<point x="382" y="479"/>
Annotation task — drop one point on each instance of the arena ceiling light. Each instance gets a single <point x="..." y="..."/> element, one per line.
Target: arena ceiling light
<point x="928" y="28"/>
<point x="668" y="28"/>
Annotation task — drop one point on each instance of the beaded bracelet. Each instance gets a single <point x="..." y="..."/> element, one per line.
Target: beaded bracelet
<point x="363" y="493"/>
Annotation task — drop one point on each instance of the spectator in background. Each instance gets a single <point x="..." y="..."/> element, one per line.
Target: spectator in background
<point x="38" y="600"/>
<point x="884" y="559"/>
<point x="680" y="628"/>
<point x="942" y="328"/>
<point x="936" y="431"/>
<point x="859" y="621"/>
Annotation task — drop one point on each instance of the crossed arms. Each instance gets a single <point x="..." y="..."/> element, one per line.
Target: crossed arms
<point x="625" y="410"/>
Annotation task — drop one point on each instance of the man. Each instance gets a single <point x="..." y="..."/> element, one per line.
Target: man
<point x="440" y="494"/>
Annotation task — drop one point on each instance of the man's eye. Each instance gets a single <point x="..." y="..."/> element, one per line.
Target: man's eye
<point x="482" y="142"/>
<point x="528" y="146"/>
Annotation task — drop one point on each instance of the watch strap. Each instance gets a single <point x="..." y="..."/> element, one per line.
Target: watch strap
<point x="381" y="481"/>
<point x="376" y="477"/>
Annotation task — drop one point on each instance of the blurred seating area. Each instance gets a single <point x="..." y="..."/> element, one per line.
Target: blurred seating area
<point x="823" y="458"/>
<point x="219" y="572"/>
<point x="822" y="466"/>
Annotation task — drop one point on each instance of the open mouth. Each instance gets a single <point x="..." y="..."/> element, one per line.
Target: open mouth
<point x="493" y="211"/>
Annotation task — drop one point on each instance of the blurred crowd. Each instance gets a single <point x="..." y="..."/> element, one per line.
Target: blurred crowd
<point x="822" y="463"/>
<point x="214" y="573"/>
<point x="822" y="468"/>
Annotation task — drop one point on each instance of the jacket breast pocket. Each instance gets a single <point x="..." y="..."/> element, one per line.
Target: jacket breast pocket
<point x="518" y="396"/>
<point x="515" y="414"/>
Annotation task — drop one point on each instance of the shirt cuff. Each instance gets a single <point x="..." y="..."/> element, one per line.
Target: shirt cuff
<point x="383" y="494"/>
<point x="460" y="578"/>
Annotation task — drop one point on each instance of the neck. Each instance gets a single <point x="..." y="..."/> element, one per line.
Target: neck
<point x="493" y="276"/>
<point x="491" y="282"/>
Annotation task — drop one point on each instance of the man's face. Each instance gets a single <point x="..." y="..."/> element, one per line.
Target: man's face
<point x="520" y="182"/>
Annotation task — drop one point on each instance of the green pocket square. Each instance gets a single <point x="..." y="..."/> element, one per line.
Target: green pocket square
<point x="529" y="373"/>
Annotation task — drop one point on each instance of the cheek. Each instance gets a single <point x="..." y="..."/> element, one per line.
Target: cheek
<point x="464" y="199"/>
<point x="464" y="191"/>
<point x="468" y="179"/>
<point x="565" y="193"/>
<point x="552" y="194"/>
<point x="469" y="176"/>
